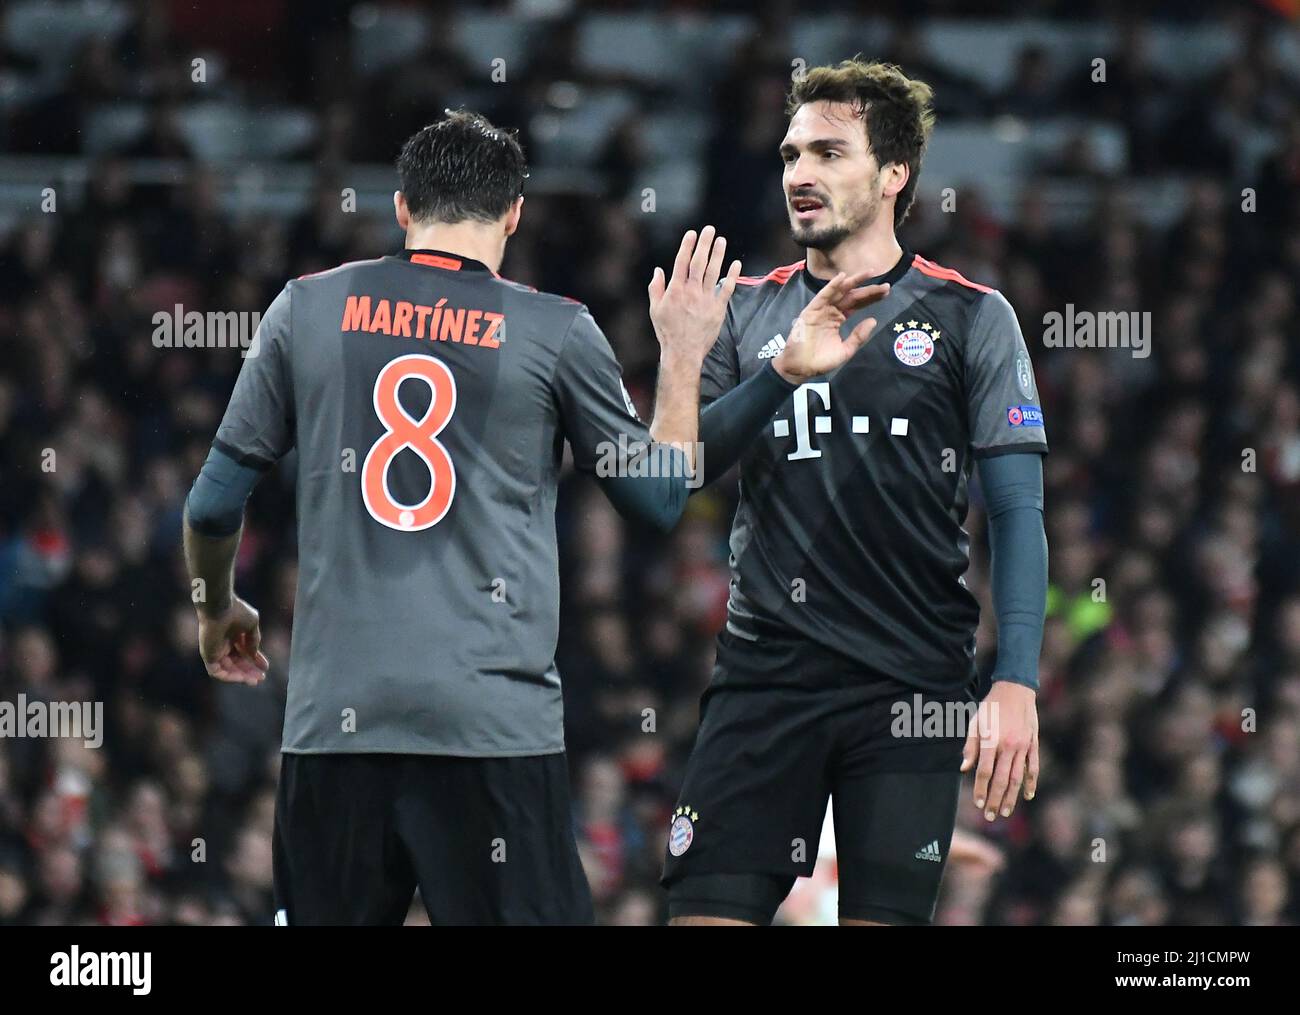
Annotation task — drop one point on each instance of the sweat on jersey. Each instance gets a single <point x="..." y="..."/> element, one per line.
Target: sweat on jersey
<point x="849" y="528"/>
<point x="428" y="400"/>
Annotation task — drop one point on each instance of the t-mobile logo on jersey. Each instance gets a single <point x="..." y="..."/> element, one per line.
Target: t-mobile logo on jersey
<point x="822" y="421"/>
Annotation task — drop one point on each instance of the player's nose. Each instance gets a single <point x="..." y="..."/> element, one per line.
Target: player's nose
<point x="799" y="176"/>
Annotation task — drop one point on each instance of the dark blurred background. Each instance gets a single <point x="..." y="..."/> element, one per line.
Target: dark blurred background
<point x="1173" y="186"/>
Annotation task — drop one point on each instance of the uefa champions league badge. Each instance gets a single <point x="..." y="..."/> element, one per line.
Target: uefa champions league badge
<point x="682" y="833"/>
<point x="914" y="344"/>
<point x="1024" y="415"/>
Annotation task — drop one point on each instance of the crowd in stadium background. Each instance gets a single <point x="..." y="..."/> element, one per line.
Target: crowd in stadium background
<point x="1170" y="705"/>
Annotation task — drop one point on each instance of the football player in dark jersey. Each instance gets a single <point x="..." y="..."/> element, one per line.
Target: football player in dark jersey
<point x="846" y="670"/>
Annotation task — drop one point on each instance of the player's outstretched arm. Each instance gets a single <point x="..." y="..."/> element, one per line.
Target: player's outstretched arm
<point x="729" y="425"/>
<point x="648" y="472"/>
<point x="687" y="312"/>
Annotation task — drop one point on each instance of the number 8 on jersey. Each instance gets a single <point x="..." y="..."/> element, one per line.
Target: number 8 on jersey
<point x="420" y="436"/>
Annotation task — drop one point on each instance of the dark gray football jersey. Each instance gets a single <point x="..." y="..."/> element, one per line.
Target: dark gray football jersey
<point x="429" y="401"/>
<point x="849" y="529"/>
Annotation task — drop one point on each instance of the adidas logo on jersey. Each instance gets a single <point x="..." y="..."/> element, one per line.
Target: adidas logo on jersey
<point x="930" y="852"/>
<point x="772" y="348"/>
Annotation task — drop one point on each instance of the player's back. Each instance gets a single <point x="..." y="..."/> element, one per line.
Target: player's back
<point x="421" y="395"/>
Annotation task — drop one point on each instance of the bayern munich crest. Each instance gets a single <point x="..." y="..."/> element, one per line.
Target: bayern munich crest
<point x="682" y="833"/>
<point x="913" y="344"/>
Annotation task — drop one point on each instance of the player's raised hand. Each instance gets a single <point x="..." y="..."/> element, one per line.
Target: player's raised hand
<point x="814" y="345"/>
<point x="229" y="643"/>
<point x="1004" y="742"/>
<point x="687" y="310"/>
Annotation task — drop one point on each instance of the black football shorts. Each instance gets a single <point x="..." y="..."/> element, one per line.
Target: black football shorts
<point x="486" y="840"/>
<point x="768" y="756"/>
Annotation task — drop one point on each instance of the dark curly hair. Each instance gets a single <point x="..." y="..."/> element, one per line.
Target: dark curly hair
<point x="896" y="110"/>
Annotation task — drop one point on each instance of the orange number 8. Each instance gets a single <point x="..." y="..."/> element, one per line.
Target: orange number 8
<point x="420" y="436"/>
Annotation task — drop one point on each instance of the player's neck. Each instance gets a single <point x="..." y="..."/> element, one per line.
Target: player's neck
<point x="477" y="241"/>
<point x="867" y="251"/>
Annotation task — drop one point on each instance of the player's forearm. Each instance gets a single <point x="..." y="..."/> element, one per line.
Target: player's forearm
<point x="654" y="492"/>
<point x="214" y="515"/>
<point x="677" y="405"/>
<point x="1018" y="543"/>
<point x="729" y="425"/>
<point x="211" y="565"/>
<point x="652" y="483"/>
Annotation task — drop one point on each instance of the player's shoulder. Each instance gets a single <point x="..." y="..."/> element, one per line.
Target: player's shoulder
<point x="557" y="316"/>
<point x="980" y="303"/>
<point x="338" y="270"/>
<point x="951" y="281"/>
<point x="541" y="298"/>
<point x="755" y="292"/>
<point x="774" y="279"/>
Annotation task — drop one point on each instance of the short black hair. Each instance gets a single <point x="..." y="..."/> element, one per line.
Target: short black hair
<point x="461" y="167"/>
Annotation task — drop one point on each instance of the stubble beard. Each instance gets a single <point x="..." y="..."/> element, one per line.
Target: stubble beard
<point x="829" y="237"/>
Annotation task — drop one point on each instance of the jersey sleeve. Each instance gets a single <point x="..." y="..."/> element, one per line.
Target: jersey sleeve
<point x="721" y="370"/>
<point x="258" y="427"/>
<point x="595" y="408"/>
<point x="1002" y="398"/>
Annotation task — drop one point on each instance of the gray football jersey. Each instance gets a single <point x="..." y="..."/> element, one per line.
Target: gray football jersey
<point x="429" y="401"/>
<point x="849" y="529"/>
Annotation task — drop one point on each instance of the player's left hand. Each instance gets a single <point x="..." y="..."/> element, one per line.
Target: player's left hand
<point x="229" y="644"/>
<point x="814" y="346"/>
<point x="1004" y="740"/>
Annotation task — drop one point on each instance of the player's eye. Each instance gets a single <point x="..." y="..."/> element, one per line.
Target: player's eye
<point x="831" y="154"/>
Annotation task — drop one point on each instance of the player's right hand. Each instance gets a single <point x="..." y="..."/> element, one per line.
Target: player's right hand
<point x="1002" y="747"/>
<point x="229" y="644"/>
<point x="814" y="346"/>
<point x="687" y="310"/>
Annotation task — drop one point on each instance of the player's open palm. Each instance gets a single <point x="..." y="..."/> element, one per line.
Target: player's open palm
<point x="229" y="644"/>
<point x="687" y="310"/>
<point x="814" y="345"/>
<point x="1002" y="746"/>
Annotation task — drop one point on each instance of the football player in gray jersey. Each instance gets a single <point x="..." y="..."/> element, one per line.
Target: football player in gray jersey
<point x="423" y="737"/>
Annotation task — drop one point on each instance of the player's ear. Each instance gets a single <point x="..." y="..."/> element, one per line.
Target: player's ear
<point x="895" y="177"/>
<point x="402" y="212"/>
<point x="513" y="215"/>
